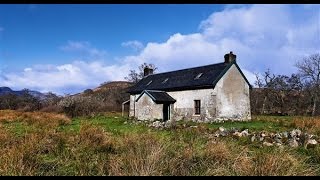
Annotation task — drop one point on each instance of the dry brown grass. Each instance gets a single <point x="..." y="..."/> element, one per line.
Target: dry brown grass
<point x="225" y="158"/>
<point x="95" y="138"/>
<point x="218" y="152"/>
<point x="4" y="136"/>
<point x="140" y="155"/>
<point x="280" y="163"/>
<point x="9" y="115"/>
<point x="311" y="124"/>
<point x="34" y="118"/>
<point x="19" y="156"/>
<point x="238" y="160"/>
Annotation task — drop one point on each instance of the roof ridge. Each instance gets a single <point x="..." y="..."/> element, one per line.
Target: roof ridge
<point x="186" y="69"/>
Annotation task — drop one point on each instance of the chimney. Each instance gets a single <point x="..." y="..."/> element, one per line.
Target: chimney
<point x="230" y="58"/>
<point x="147" y="71"/>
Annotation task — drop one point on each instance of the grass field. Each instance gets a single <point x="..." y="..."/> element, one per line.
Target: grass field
<point x="51" y="144"/>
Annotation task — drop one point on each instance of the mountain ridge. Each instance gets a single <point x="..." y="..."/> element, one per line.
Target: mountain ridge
<point x="7" y="90"/>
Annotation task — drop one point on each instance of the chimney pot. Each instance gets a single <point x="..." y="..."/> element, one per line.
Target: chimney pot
<point x="229" y="58"/>
<point x="147" y="71"/>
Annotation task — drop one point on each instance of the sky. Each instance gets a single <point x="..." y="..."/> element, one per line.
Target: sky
<point x="66" y="49"/>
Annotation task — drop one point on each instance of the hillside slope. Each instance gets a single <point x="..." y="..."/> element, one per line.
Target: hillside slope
<point x="112" y="94"/>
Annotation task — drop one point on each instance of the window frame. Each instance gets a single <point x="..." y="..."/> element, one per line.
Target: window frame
<point x="197" y="107"/>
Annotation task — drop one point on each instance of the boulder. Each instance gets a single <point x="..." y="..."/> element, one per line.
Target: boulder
<point x="278" y="140"/>
<point x="285" y="134"/>
<point x="245" y="133"/>
<point x="261" y="139"/>
<point x="221" y="129"/>
<point x="168" y="124"/>
<point x="253" y="138"/>
<point x="157" y="124"/>
<point x="261" y="136"/>
<point x="295" y="133"/>
<point x="311" y="143"/>
<point x="267" y="144"/>
<point x="293" y="143"/>
<point x="224" y="133"/>
<point x="237" y="134"/>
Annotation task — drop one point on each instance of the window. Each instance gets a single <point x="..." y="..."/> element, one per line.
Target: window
<point x="198" y="76"/>
<point x="149" y="83"/>
<point x="164" y="81"/>
<point x="197" y="106"/>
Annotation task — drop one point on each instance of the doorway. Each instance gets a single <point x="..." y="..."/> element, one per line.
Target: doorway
<point x="166" y="112"/>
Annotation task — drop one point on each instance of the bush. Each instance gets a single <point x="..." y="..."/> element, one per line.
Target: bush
<point x="74" y="106"/>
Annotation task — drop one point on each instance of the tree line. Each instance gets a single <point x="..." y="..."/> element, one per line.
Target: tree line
<point x="297" y="94"/>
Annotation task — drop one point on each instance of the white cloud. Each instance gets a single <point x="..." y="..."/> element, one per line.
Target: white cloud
<point x="135" y="45"/>
<point x="262" y="37"/>
<point x="27" y="69"/>
<point x="66" y="78"/>
<point x="84" y="48"/>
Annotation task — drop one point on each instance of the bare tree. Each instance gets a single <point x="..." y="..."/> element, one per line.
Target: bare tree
<point x="277" y="94"/>
<point x="134" y="76"/>
<point x="309" y="69"/>
<point x="265" y="84"/>
<point x="9" y="101"/>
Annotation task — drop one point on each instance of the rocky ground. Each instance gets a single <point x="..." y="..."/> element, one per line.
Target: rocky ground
<point x="293" y="138"/>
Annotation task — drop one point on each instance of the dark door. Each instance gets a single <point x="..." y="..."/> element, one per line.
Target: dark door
<point x="166" y="112"/>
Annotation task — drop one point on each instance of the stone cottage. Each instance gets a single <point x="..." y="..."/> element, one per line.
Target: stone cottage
<point x="208" y="93"/>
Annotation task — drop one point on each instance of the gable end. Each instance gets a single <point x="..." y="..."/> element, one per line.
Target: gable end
<point x="226" y="70"/>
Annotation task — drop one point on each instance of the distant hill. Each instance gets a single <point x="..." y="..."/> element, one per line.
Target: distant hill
<point x="7" y="90"/>
<point x="113" y="85"/>
<point x="107" y="87"/>
<point x="112" y="94"/>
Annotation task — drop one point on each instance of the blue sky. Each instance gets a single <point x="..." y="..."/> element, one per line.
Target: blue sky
<point x="33" y="33"/>
<point x="68" y="48"/>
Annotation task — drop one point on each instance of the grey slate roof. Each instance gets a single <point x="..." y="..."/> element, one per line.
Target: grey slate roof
<point x="158" y="97"/>
<point x="184" y="79"/>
